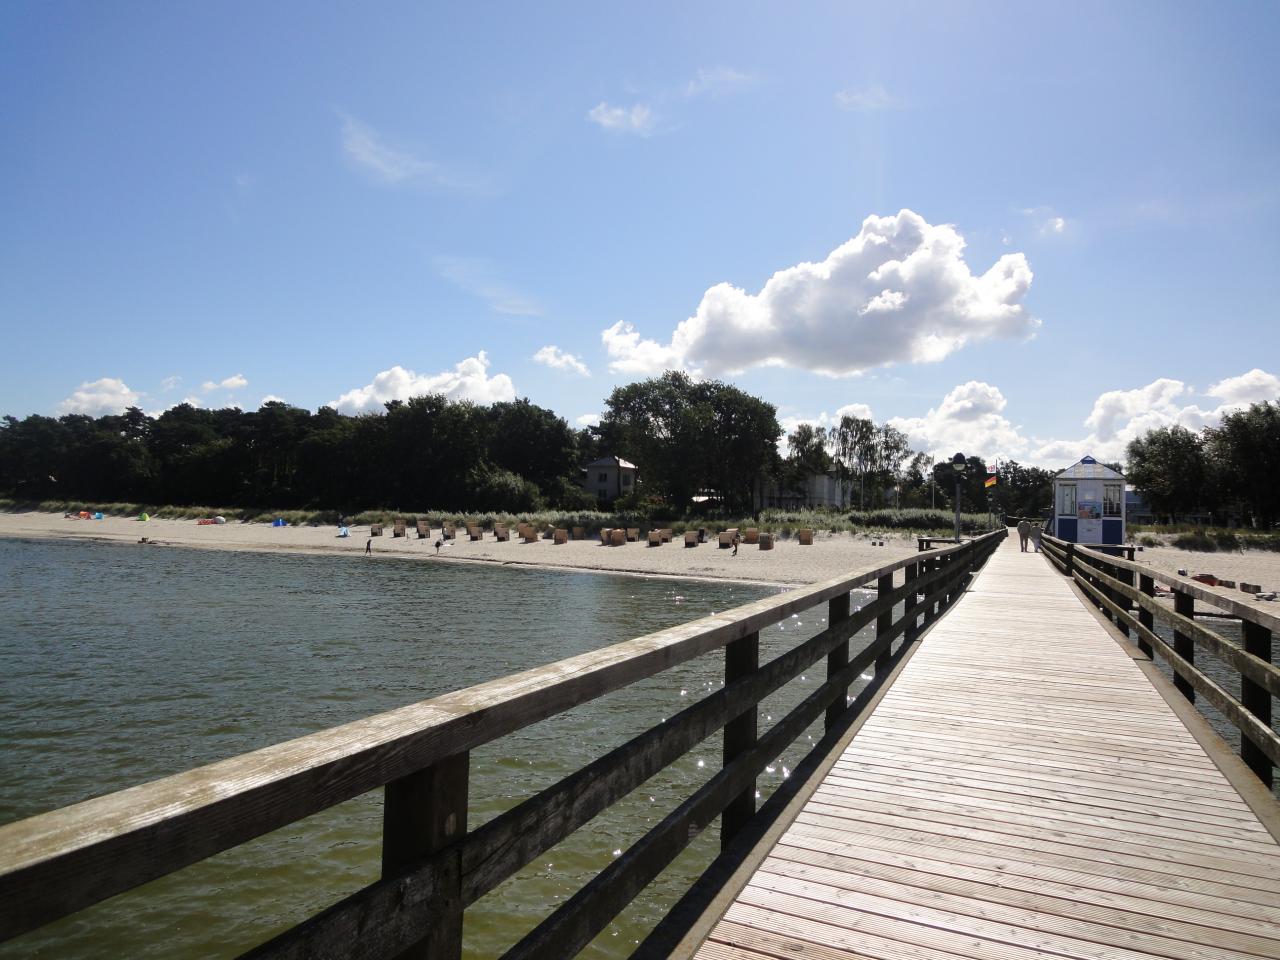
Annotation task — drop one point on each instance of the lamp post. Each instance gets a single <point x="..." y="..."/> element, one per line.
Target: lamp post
<point x="959" y="464"/>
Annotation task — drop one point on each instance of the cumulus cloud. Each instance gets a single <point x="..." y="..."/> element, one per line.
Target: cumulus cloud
<point x="99" y="398"/>
<point x="170" y="383"/>
<point x="1252" y="387"/>
<point x="898" y="292"/>
<point x="271" y="398"/>
<point x="866" y="99"/>
<point x="638" y="119"/>
<point x="468" y="380"/>
<point x="233" y="382"/>
<point x="970" y="420"/>
<point x="588" y="420"/>
<point x="1119" y="416"/>
<point x="557" y="359"/>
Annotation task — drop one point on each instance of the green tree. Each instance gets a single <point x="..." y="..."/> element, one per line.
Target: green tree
<point x="687" y="436"/>
<point x="1168" y="468"/>
<point x="1244" y="451"/>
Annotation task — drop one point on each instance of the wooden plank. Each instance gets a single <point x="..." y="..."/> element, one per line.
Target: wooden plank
<point x="1022" y="786"/>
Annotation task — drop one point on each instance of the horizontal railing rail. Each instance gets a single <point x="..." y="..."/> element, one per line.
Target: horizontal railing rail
<point x="433" y="867"/>
<point x="1125" y="591"/>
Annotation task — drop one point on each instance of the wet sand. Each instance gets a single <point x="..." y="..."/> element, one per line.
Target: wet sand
<point x="788" y="564"/>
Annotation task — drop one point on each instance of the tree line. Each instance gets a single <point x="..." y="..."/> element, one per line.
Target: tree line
<point x="1229" y="473"/>
<point x="694" y="441"/>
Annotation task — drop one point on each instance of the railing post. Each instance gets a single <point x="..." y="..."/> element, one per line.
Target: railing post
<point x="1183" y="645"/>
<point x="741" y="659"/>
<point x="1257" y="700"/>
<point x="421" y="814"/>
<point x="1125" y="576"/>
<point x="1070" y="562"/>
<point x="1145" y="617"/>
<point x="838" y="658"/>
<point x="884" y="622"/>
<point x="911" y="573"/>
<point x="932" y="609"/>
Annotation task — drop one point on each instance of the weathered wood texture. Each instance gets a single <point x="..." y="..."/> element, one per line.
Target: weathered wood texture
<point x="1021" y="791"/>
<point x="1109" y="583"/>
<point x="56" y="863"/>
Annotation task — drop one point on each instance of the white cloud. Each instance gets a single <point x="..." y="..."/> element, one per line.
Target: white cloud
<point x="632" y="355"/>
<point x="866" y="99"/>
<point x="1252" y="387"/>
<point x="1047" y="222"/>
<point x="557" y="359"/>
<point x="233" y="382"/>
<point x="271" y="398"/>
<point x="170" y="383"/>
<point x="468" y="380"/>
<point x="476" y="277"/>
<point x="638" y="118"/>
<point x="718" y="82"/>
<point x="1119" y="416"/>
<point x="99" y="398"/>
<point x="367" y="149"/>
<point x="588" y="420"/>
<point x="970" y="420"/>
<point x="900" y="291"/>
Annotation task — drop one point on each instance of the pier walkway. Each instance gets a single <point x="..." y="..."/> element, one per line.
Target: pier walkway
<point x="1023" y="789"/>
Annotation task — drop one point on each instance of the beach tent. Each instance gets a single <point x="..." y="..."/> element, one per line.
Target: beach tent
<point x="144" y="516"/>
<point x="344" y="532"/>
<point x="279" y="522"/>
<point x="219" y="520"/>
<point x="98" y="515"/>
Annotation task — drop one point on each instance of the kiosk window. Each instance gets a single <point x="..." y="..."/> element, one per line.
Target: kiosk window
<point x="1067" y="500"/>
<point x="1111" y="494"/>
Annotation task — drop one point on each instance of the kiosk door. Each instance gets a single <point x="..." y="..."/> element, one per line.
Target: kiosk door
<point x="1089" y="514"/>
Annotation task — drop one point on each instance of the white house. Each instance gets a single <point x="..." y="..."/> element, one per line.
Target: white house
<point x="609" y="478"/>
<point x="1089" y="503"/>
<point x="814" y="490"/>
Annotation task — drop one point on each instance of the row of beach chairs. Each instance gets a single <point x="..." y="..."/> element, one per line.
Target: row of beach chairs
<point x="609" y="537"/>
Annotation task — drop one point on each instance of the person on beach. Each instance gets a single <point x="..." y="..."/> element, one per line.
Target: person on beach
<point x="736" y="540"/>
<point x="1024" y="532"/>
<point x="439" y="544"/>
<point x="368" y="546"/>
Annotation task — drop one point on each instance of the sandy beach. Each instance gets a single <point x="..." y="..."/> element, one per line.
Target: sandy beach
<point x="788" y="564"/>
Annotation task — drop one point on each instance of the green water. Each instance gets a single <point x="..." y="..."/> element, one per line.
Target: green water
<point x="120" y="664"/>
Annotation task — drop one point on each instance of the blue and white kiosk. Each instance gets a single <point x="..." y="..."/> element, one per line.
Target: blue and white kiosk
<point x="1088" y="503"/>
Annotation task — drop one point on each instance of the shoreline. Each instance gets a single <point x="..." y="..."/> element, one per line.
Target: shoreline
<point x="787" y="566"/>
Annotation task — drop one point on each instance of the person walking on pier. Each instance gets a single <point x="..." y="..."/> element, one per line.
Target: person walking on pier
<point x="1024" y="532"/>
<point x="1036" y="530"/>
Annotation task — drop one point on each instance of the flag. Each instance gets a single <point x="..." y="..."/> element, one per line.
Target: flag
<point x="991" y="480"/>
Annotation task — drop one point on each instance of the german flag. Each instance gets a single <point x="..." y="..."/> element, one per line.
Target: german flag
<point x="991" y="480"/>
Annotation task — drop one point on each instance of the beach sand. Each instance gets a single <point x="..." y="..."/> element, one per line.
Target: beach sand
<point x="1244" y="566"/>
<point x="788" y="564"/>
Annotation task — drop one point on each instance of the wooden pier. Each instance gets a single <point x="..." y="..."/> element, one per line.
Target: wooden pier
<point x="1023" y="789"/>
<point x="1016" y="779"/>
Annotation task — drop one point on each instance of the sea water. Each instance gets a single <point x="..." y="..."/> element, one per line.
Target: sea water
<point x="120" y="664"/>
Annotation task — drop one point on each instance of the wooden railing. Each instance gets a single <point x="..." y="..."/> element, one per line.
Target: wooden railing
<point x="433" y="867"/>
<point x="1125" y="592"/>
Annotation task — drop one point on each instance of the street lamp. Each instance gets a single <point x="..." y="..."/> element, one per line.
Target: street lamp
<point x="960" y="465"/>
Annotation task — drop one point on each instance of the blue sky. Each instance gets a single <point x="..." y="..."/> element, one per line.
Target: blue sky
<point x="1014" y="230"/>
